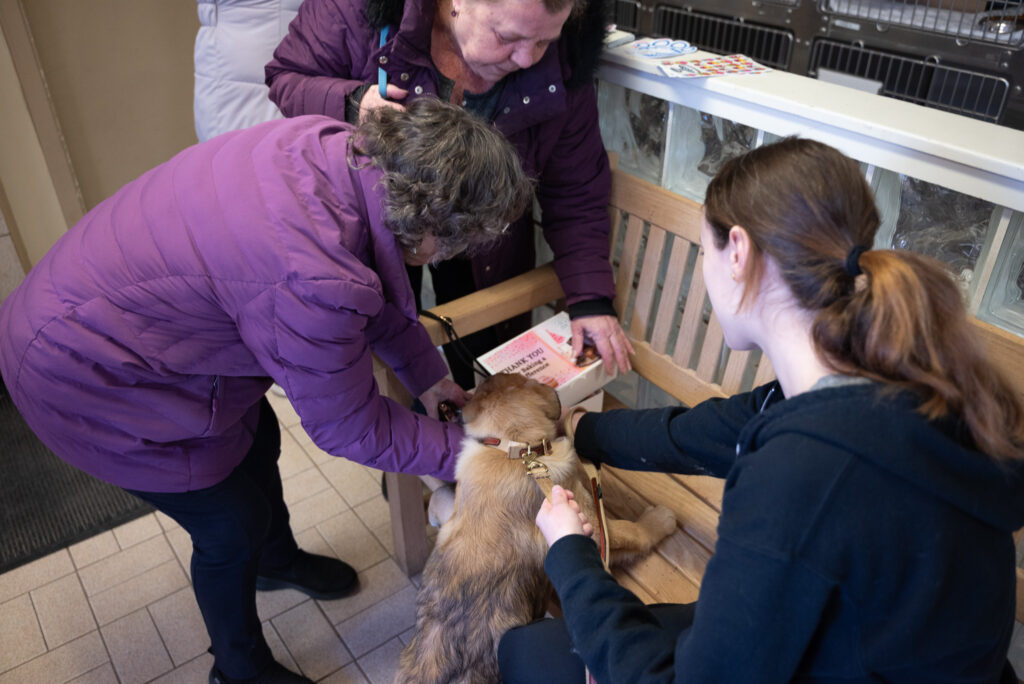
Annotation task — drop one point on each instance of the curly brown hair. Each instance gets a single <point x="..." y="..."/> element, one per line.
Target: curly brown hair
<point x="446" y="174"/>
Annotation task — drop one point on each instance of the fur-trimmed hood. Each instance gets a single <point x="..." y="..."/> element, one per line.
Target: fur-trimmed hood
<point x="582" y="37"/>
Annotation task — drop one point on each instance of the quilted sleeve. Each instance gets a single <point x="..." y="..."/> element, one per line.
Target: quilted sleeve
<point x="318" y="350"/>
<point x="321" y="61"/>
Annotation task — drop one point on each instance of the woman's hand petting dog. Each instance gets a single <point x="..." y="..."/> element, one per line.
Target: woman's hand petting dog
<point x="561" y="516"/>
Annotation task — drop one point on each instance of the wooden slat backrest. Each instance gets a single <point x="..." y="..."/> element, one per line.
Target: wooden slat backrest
<point x="662" y="300"/>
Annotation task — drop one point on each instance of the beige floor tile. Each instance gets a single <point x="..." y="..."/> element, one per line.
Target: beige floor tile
<point x="386" y="536"/>
<point x="125" y="565"/>
<point x="62" y="664"/>
<point x="138" y="530"/>
<point x="104" y="674"/>
<point x="350" y="674"/>
<point x="135" y="648"/>
<point x="35" y="574"/>
<point x="195" y="671"/>
<point x="304" y="485"/>
<point x="277" y="647"/>
<point x="286" y="415"/>
<point x="381" y="664"/>
<point x="93" y="549"/>
<point x="180" y="625"/>
<point x="166" y="521"/>
<point x="312" y="540"/>
<point x="63" y="611"/>
<point x="355" y="482"/>
<point x="374" y="512"/>
<point x="138" y="592"/>
<point x="351" y="541"/>
<point x="270" y="604"/>
<point x="315" y="509"/>
<point x="375" y="584"/>
<point x="293" y="457"/>
<point x="311" y="640"/>
<point x="315" y="453"/>
<point x="181" y="542"/>
<point x="19" y="633"/>
<point x="383" y="621"/>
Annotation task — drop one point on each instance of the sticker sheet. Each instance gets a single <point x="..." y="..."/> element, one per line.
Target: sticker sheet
<point x="711" y="66"/>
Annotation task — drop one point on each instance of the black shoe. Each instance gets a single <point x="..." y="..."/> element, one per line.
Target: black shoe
<point x="275" y="673"/>
<point x="319" y="577"/>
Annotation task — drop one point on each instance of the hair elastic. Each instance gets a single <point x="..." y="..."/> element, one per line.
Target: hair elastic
<point x="852" y="265"/>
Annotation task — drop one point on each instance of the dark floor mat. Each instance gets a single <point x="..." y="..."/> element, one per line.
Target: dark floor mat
<point x="45" y="504"/>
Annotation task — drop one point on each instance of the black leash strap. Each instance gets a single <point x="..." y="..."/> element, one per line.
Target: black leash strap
<point x="457" y="344"/>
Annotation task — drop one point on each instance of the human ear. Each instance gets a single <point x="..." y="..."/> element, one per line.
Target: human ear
<point x="740" y="248"/>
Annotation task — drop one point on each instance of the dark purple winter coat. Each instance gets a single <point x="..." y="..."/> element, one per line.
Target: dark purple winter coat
<point x="331" y="49"/>
<point x="140" y="345"/>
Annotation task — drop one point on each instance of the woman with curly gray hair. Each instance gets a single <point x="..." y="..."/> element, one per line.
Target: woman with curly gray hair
<point x="141" y="346"/>
<point x="444" y="179"/>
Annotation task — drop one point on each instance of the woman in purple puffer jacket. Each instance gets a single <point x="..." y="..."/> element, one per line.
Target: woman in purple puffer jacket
<point x="139" y="349"/>
<point x="524" y="65"/>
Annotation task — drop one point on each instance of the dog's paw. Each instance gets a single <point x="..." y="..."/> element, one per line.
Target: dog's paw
<point x="441" y="506"/>
<point x="659" y="521"/>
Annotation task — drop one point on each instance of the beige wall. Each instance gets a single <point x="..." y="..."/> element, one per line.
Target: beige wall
<point x="120" y="76"/>
<point x="31" y="209"/>
<point x="107" y="85"/>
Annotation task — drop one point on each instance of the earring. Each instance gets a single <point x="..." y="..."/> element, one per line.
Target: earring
<point x="733" y="276"/>
<point x="454" y="14"/>
<point x="414" y="250"/>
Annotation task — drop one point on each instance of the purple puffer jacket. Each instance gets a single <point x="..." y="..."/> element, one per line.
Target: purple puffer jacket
<point x="139" y="347"/>
<point x="331" y="50"/>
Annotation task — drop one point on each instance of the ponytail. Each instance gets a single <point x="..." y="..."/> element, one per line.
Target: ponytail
<point x="892" y="316"/>
<point x="905" y="325"/>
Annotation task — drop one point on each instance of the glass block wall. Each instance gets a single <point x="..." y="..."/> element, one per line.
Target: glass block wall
<point x="681" y="149"/>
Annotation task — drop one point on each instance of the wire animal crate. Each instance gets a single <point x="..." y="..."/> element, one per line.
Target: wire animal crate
<point x="978" y="95"/>
<point x="996" y="22"/>
<point x="764" y="44"/>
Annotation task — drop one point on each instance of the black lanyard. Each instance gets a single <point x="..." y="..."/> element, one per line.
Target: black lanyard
<point x="457" y="344"/>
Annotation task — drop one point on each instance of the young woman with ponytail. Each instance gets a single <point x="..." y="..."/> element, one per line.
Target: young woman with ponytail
<point x="871" y="491"/>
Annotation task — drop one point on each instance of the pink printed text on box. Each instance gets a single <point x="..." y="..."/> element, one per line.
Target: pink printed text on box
<point x="544" y="353"/>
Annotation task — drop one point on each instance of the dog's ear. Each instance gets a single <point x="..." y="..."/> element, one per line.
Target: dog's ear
<point x="552" y="404"/>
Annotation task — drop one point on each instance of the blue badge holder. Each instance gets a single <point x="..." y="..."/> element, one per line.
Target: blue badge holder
<point x="382" y="78"/>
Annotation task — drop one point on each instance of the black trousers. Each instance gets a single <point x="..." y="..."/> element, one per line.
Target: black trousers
<point x="542" y="651"/>
<point x="237" y="526"/>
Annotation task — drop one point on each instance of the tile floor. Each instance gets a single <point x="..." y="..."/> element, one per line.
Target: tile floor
<point x="119" y="607"/>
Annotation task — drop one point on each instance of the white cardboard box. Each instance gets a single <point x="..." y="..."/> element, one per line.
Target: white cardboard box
<point x="544" y="353"/>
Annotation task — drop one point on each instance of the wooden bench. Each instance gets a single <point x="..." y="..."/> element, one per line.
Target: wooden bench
<point x="679" y="346"/>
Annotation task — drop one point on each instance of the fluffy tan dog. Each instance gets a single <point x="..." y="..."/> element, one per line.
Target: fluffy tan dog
<point x="486" y="573"/>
